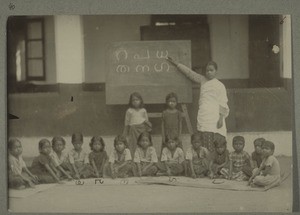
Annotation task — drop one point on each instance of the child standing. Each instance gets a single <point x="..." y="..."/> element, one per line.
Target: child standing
<point x="213" y="108"/>
<point x="44" y="166"/>
<point x="136" y="121"/>
<point x="197" y="158"/>
<point x="171" y="119"/>
<point x="19" y="177"/>
<point x="172" y="158"/>
<point x="98" y="157"/>
<point x="79" y="159"/>
<point x="268" y="174"/>
<point x="219" y="158"/>
<point x="239" y="162"/>
<point x="145" y="156"/>
<point x="120" y="160"/>
<point x="256" y="156"/>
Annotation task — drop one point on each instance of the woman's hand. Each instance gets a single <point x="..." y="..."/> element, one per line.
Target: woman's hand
<point x="171" y="61"/>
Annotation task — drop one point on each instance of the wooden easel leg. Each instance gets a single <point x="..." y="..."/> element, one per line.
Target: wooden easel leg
<point x="187" y="118"/>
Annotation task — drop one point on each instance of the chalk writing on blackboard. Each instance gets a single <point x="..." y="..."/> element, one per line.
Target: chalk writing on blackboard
<point x="161" y="67"/>
<point x="122" y="68"/>
<point x="146" y="56"/>
<point x="162" y="54"/>
<point x="142" y="68"/>
<point x="121" y="54"/>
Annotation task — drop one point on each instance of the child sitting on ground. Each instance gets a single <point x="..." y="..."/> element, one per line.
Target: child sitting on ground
<point x="256" y="156"/>
<point x="98" y="157"/>
<point x="44" y="166"/>
<point x="59" y="156"/>
<point x="239" y="162"/>
<point x="268" y="174"/>
<point x="145" y="156"/>
<point x="172" y="158"/>
<point x="219" y="158"/>
<point x="19" y="177"/>
<point x="120" y="161"/>
<point x="197" y="158"/>
<point x="79" y="159"/>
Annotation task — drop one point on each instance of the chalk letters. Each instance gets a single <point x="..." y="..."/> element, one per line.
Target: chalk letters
<point x="140" y="68"/>
<point x="138" y="57"/>
<point x="121" y="53"/>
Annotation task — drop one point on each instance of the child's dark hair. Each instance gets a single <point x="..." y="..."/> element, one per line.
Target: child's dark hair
<point x="269" y="144"/>
<point x="172" y="137"/>
<point x="212" y="63"/>
<point x="42" y="142"/>
<point x="120" y="138"/>
<point x="97" y="138"/>
<point x="56" y="139"/>
<point x="259" y="141"/>
<point x="77" y="137"/>
<point x="144" y="134"/>
<point x="172" y="95"/>
<point x="238" y="138"/>
<point x="196" y="136"/>
<point x="219" y="141"/>
<point x="137" y="95"/>
<point x="11" y="142"/>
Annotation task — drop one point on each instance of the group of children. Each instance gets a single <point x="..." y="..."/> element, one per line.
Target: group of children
<point x="134" y="154"/>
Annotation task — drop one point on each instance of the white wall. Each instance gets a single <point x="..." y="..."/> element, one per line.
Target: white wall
<point x="50" y="50"/>
<point x="229" y="45"/>
<point x="286" y="46"/>
<point x="69" y="49"/>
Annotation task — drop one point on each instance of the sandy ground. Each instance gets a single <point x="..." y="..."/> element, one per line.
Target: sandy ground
<point x="156" y="198"/>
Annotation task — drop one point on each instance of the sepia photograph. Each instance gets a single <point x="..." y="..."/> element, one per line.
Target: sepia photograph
<point x="150" y="113"/>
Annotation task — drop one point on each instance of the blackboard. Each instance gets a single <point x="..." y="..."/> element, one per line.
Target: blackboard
<point x="140" y="66"/>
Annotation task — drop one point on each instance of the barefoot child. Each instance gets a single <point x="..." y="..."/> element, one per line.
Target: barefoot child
<point x="171" y="119"/>
<point x="136" y="121"/>
<point x="213" y="108"/>
<point x="239" y="162"/>
<point x="145" y="156"/>
<point x="19" y="177"/>
<point x="197" y="158"/>
<point x="44" y="166"/>
<point x="268" y="174"/>
<point x="172" y="158"/>
<point x="98" y="157"/>
<point x="256" y="156"/>
<point x="79" y="159"/>
<point x="219" y="158"/>
<point x="120" y="161"/>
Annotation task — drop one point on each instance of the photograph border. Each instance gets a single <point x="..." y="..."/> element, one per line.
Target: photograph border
<point x="101" y="7"/>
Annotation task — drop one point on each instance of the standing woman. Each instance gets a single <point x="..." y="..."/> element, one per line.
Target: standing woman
<point x="213" y="108"/>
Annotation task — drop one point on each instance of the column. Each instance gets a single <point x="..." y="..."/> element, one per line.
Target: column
<point x="69" y="49"/>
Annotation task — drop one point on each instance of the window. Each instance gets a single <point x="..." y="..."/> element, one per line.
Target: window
<point x="35" y="50"/>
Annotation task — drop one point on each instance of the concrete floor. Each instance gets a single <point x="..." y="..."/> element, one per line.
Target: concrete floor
<point x="156" y="198"/>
